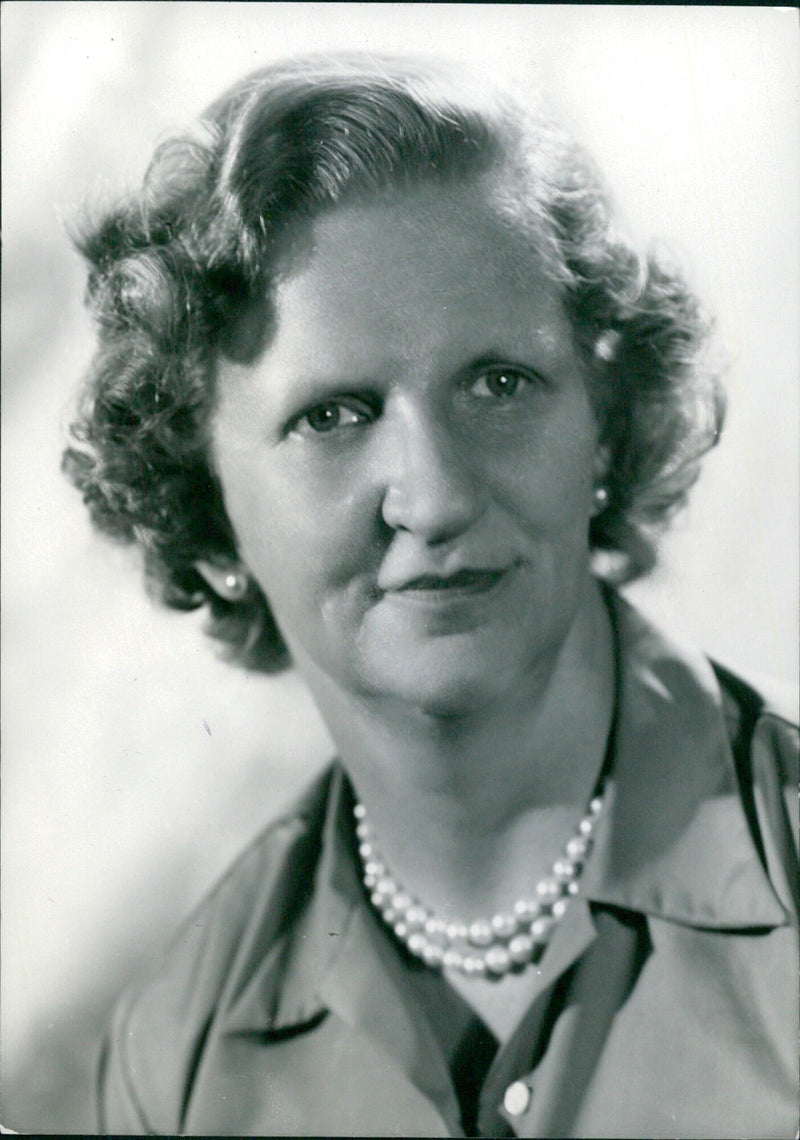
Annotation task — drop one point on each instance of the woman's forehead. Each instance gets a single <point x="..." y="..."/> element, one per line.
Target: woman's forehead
<point x="453" y="238"/>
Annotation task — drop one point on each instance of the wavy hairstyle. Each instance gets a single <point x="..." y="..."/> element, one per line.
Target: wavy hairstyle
<point x="181" y="273"/>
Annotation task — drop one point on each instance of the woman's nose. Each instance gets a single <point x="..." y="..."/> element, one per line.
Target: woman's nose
<point x="431" y="486"/>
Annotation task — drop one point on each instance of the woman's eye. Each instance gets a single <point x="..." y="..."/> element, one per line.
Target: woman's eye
<point x="327" y="417"/>
<point x="499" y="383"/>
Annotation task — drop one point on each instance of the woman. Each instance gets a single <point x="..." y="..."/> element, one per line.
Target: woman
<point x="377" y="382"/>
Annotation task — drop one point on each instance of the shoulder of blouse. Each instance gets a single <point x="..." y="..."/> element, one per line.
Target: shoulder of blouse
<point x="762" y="720"/>
<point x="759" y="709"/>
<point x="153" y="1044"/>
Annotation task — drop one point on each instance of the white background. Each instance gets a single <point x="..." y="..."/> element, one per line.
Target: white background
<point x="135" y="765"/>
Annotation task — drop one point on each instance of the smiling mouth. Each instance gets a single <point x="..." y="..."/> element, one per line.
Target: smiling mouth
<point x="462" y="584"/>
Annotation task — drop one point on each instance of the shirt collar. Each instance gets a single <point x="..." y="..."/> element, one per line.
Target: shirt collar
<point x="673" y="841"/>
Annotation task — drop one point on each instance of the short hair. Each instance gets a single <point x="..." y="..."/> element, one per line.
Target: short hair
<point x="181" y="272"/>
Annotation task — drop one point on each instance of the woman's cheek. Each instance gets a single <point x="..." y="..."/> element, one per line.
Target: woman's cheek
<point x="306" y="528"/>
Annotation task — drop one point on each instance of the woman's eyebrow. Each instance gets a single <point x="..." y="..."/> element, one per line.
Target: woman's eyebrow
<point x="529" y="358"/>
<point x="494" y="357"/>
<point x="310" y="387"/>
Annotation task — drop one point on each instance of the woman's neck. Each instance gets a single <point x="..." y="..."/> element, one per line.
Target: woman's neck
<point x="470" y="811"/>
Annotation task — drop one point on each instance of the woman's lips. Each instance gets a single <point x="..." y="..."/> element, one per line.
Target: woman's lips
<point x="462" y="584"/>
<point x="463" y="580"/>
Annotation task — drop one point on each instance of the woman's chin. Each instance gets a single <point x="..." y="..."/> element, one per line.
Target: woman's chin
<point x="448" y="677"/>
<point x="446" y="698"/>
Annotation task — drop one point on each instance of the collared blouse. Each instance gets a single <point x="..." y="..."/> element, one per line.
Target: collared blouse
<point x="667" y="1003"/>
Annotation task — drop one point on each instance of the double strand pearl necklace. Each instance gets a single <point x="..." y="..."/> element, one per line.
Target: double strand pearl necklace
<point x="489" y="948"/>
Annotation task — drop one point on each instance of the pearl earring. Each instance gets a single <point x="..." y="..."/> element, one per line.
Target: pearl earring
<point x="236" y="585"/>
<point x="600" y="497"/>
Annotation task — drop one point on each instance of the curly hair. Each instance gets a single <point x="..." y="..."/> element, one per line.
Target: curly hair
<point x="181" y="274"/>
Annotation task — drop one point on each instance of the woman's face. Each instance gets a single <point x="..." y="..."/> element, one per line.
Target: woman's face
<point x="409" y="465"/>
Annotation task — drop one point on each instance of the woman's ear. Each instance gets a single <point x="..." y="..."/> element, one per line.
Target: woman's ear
<point x="229" y="581"/>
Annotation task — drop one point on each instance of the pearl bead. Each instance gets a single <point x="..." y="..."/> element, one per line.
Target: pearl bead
<point x="389" y="915"/>
<point x="576" y="847"/>
<point x="401" y="902"/>
<point x="359" y="811"/>
<point x="452" y="960"/>
<point x="586" y="826"/>
<point x="370" y="881"/>
<point x="373" y="867"/>
<point x="363" y="831"/>
<point x="498" y="960"/>
<point x="480" y="933"/>
<point x="596" y="805"/>
<point x="401" y="930"/>
<point x="416" y="943"/>
<point x="573" y="888"/>
<point x="504" y="925"/>
<point x="386" y="887"/>
<point x="474" y="966"/>
<point x="433" y="955"/>
<point x="520" y="949"/>
<point x="366" y="850"/>
<point x="558" y="908"/>
<point x="416" y="916"/>
<point x="541" y="928"/>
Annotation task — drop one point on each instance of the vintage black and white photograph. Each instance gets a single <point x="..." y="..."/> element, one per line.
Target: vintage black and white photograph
<point x="400" y="569"/>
